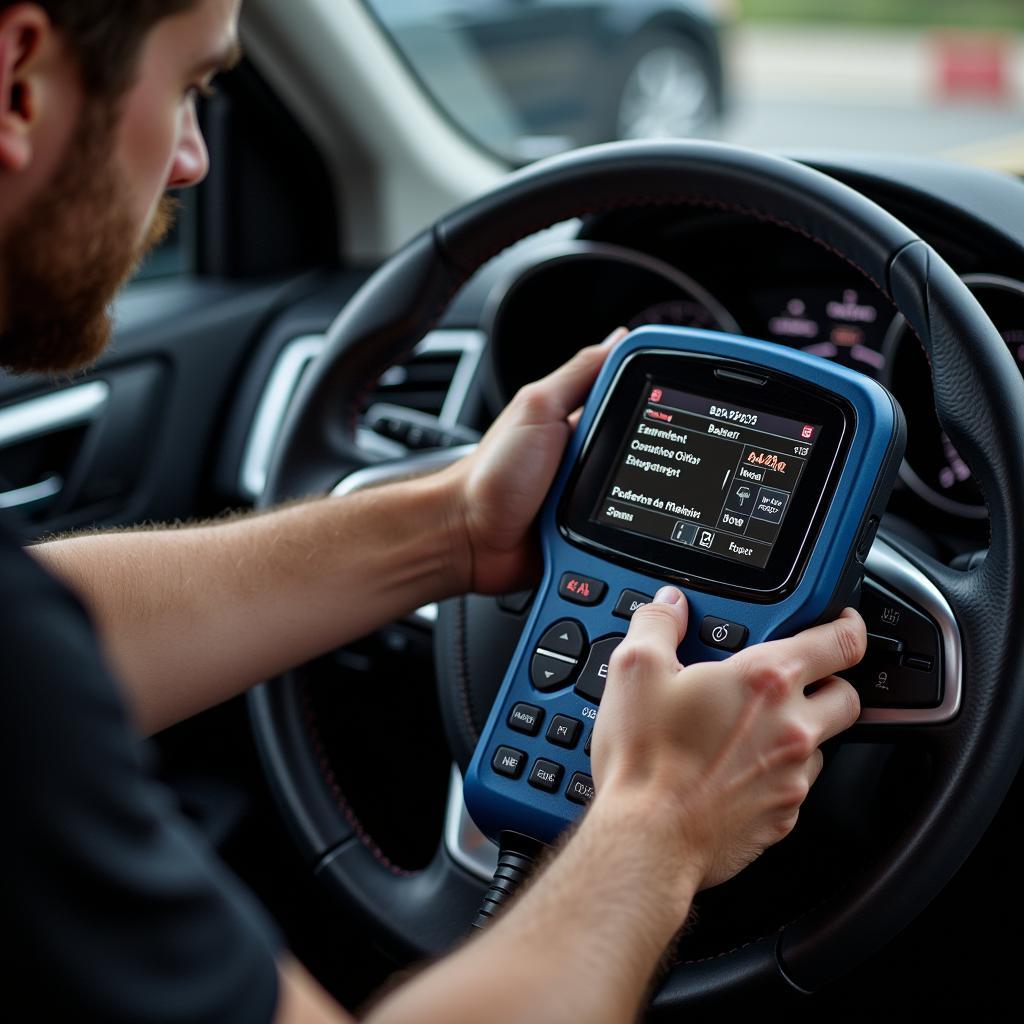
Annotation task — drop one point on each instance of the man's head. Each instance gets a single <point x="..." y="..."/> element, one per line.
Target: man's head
<point x="97" y="121"/>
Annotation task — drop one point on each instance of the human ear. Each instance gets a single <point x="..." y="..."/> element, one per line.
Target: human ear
<point x="24" y="31"/>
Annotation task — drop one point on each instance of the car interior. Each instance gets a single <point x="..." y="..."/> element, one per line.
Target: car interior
<point x="356" y="258"/>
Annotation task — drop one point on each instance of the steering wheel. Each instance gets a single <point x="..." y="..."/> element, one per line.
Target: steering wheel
<point x="973" y="745"/>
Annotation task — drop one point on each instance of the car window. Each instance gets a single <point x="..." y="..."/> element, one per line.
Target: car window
<point x="176" y="254"/>
<point x="528" y="78"/>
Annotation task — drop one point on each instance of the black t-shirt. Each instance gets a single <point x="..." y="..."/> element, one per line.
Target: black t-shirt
<point x="116" y="909"/>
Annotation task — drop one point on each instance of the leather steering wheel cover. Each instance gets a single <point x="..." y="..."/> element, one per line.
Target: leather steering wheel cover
<point x="978" y="754"/>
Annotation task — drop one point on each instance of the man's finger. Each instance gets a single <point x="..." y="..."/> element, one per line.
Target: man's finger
<point x="814" y="765"/>
<point x="835" y="706"/>
<point x="567" y="387"/>
<point x="811" y="655"/>
<point x="655" y="631"/>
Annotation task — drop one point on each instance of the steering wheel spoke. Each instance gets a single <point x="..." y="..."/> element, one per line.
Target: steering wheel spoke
<point x="400" y="469"/>
<point x="912" y="674"/>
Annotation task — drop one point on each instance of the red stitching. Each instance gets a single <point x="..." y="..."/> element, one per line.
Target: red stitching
<point x="327" y="772"/>
<point x="629" y="202"/>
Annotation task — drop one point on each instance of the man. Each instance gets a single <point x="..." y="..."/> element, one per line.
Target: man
<point x="116" y="911"/>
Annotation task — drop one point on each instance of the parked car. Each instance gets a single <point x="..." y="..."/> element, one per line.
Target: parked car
<point x="546" y="75"/>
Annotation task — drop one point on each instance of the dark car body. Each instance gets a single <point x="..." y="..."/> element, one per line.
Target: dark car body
<point x="560" y="70"/>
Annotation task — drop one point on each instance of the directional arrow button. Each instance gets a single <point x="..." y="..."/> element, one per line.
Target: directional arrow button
<point x="549" y="673"/>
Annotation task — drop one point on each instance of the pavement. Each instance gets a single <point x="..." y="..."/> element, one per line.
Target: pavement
<point x="900" y="91"/>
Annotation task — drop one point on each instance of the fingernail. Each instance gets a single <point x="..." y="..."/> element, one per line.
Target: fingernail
<point x="668" y="595"/>
<point x="619" y="332"/>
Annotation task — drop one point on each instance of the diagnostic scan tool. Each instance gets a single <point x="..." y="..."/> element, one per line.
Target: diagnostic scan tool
<point x="749" y="475"/>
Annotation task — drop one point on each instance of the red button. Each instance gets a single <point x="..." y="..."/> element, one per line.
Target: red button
<point x="581" y="589"/>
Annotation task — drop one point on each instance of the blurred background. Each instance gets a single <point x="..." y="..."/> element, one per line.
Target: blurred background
<point x="528" y="78"/>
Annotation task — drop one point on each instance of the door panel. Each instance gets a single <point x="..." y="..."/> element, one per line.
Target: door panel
<point x="133" y="439"/>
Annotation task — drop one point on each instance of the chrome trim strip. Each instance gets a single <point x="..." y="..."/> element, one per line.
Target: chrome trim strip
<point x="471" y="344"/>
<point x="889" y="567"/>
<point x="416" y="465"/>
<point x="23" y="497"/>
<point x="465" y="843"/>
<point x="47" y="414"/>
<point x="273" y="407"/>
<point x="557" y="656"/>
<point x="292" y="363"/>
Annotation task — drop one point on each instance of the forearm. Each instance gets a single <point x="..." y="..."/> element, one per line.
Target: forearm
<point x="191" y="617"/>
<point x="581" y="944"/>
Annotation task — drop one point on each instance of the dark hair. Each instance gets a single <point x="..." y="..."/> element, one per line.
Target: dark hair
<point x="107" y="35"/>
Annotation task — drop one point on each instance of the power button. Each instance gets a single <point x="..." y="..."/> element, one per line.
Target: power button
<point x="720" y="633"/>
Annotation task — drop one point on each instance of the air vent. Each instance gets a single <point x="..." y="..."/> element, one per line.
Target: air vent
<point x="422" y="383"/>
<point x="435" y="382"/>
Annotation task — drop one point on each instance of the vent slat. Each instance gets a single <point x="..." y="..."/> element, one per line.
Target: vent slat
<point x="422" y="383"/>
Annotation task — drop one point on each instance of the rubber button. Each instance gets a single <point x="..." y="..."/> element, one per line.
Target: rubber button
<point x="722" y="634"/>
<point x="628" y="602"/>
<point x="564" y="731"/>
<point x="565" y="637"/>
<point x="549" y="673"/>
<point x="581" y="788"/>
<point x="581" y="589"/>
<point x="509" y="761"/>
<point x="546" y="775"/>
<point x="526" y="718"/>
<point x="595" y="672"/>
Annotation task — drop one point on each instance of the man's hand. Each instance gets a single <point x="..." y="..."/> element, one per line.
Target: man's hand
<point x="723" y="753"/>
<point x="497" y="492"/>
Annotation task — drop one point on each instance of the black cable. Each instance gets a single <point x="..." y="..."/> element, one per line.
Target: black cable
<point x="516" y="861"/>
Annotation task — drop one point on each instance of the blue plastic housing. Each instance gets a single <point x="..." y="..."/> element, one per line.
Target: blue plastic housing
<point x="831" y="573"/>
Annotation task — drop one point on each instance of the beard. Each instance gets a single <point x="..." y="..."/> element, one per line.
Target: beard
<point x="70" y="253"/>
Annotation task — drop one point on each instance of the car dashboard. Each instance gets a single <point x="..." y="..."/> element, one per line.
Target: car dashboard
<point x="530" y="309"/>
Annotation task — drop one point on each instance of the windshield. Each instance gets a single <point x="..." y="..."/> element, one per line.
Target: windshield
<point x="528" y="78"/>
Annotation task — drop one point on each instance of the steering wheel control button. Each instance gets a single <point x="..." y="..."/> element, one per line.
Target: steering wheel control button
<point x="919" y="661"/>
<point x="581" y="788"/>
<point x="565" y="637"/>
<point x="564" y="731"/>
<point x="546" y="775"/>
<point x="883" y="645"/>
<point x="884" y="685"/>
<point x="903" y="666"/>
<point x="723" y="634"/>
<point x="509" y="761"/>
<point x="628" y="602"/>
<point x="595" y="672"/>
<point x="550" y="671"/>
<point x="526" y="718"/>
<point x="581" y="589"/>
